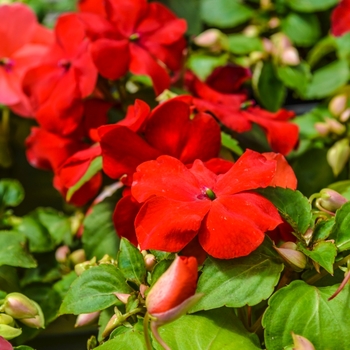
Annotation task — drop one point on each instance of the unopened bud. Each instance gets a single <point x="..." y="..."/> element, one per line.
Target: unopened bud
<point x="6" y="319"/>
<point x="8" y="332"/>
<point x="337" y="104"/>
<point x="301" y="343"/>
<point x="344" y="117"/>
<point x="37" y="321"/>
<point x="338" y="155"/>
<point x="330" y="200"/>
<point x="62" y="253"/>
<point x="212" y="39"/>
<point x="150" y="261"/>
<point x="116" y="320"/>
<point x="165" y="96"/>
<point x="106" y="259"/>
<point x="18" y="305"/>
<point x="78" y="257"/>
<point x="80" y="268"/>
<point x="322" y="128"/>
<point x="251" y="31"/>
<point x="267" y="45"/>
<point x="335" y="127"/>
<point x="274" y="22"/>
<point x="295" y="259"/>
<point x="290" y="56"/>
<point x="143" y="289"/>
<point x="122" y="297"/>
<point x="86" y="319"/>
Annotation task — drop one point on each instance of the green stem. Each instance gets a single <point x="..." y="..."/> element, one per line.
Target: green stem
<point x="323" y="273"/>
<point x="145" y="331"/>
<point x="5" y="121"/>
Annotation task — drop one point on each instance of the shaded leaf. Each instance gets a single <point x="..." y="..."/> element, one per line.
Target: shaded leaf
<point x="340" y="231"/>
<point x="11" y="193"/>
<point x="311" y="5"/>
<point x="241" y="44"/>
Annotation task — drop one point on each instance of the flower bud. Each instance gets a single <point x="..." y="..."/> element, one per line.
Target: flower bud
<point x="295" y="259"/>
<point x="290" y="56"/>
<point x="37" y="321"/>
<point x="77" y="257"/>
<point x="116" y="320"/>
<point x="122" y="297"/>
<point x="344" y="117"/>
<point x="6" y="319"/>
<point x="251" y="31"/>
<point x="150" y="261"/>
<point x="337" y="104"/>
<point x="86" y="319"/>
<point x="174" y="292"/>
<point x="274" y="22"/>
<point x="301" y="343"/>
<point x="62" y="253"/>
<point x="322" y="128"/>
<point x="338" y="155"/>
<point x="212" y="39"/>
<point x="330" y="200"/>
<point x="4" y="344"/>
<point x="80" y="268"/>
<point x="7" y="332"/>
<point x="335" y="127"/>
<point x="19" y="306"/>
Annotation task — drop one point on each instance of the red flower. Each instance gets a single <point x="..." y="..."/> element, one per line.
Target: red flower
<point x="23" y="43"/>
<point x="66" y="75"/>
<point x="340" y="19"/>
<point x="229" y="109"/>
<point x="145" y="38"/>
<point x="168" y="129"/>
<point x="181" y="203"/>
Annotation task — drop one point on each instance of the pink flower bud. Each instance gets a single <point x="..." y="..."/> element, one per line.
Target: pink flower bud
<point x="78" y="257"/>
<point x="62" y="253"/>
<point x="86" y="319"/>
<point x="122" y="297"/>
<point x="337" y="104"/>
<point x="330" y="200"/>
<point x="301" y="343"/>
<point x="295" y="259"/>
<point x="344" y="117"/>
<point x="4" y="344"/>
<point x="290" y="56"/>
<point x="322" y="128"/>
<point x="18" y="306"/>
<point x="150" y="261"/>
<point x="177" y="285"/>
<point x="335" y="127"/>
<point x="212" y="38"/>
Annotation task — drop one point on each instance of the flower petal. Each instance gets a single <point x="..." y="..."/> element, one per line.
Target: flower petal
<point x="169" y="225"/>
<point x="252" y="170"/>
<point x="235" y="225"/>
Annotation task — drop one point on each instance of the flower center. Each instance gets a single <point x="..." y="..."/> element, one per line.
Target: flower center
<point x="246" y="104"/>
<point x="207" y="193"/>
<point x="65" y="64"/>
<point x="7" y="63"/>
<point x="134" y="37"/>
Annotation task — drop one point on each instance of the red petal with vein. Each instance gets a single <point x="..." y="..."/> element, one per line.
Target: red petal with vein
<point x="235" y="225"/>
<point x="169" y="225"/>
<point x="281" y="135"/>
<point x="167" y="177"/>
<point x="124" y="217"/>
<point x="284" y="176"/>
<point x="195" y="249"/>
<point x="111" y="57"/>
<point x="136" y="116"/>
<point x="218" y="165"/>
<point x="17" y="27"/>
<point x="252" y="170"/>
<point x="143" y="63"/>
<point x="171" y="130"/>
<point x="205" y="177"/>
<point x="340" y="19"/>
<point x="123" y="150"/>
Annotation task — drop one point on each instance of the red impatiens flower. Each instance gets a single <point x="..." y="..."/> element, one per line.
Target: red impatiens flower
<point x="143" y="38"/>
<point x="168" y="129"/>
<point x="23" y="43"/>
<point x="340" y="19"/>
<point x="65" y="76"/>
<point x="180" y="203"/>
<point x="231" y="111"/>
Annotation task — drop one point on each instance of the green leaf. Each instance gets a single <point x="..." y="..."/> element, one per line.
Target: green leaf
<point x="302" y="29"/>
<point x="11" y="193"/>
<point x="63" y="285"/>
<point x="131" y="262"/>
<point x="311" y="5"/>
<point x="241" y="281"/>
<point x="340" y="232"/>
<point x="323" y="47"/>
<point x="23" y="347"/>
<point x="323" y="253"/>
<point x="230" y="143"/>
<point x="328" y="79"/>
<point x="305" y="310"/>
<point x="126" y="341"/>
<point x="99" y="237"/>
<point x="13" y="250"/>
<point x="94" y="167"/>
<point x="292" y="205"/>
<point x="211" y="330"/>
<point x="94" y="290"/>
<point x="38" y="235"/>
<point x="9" y="281"/>
<point x="270" y="91"/>
<point x="295" y="77"/>
<point x="203" y="65"/>
<point x="322" y="230"/>
<point x="343" y="46"/>
<point x="240" y="44"/>
<point x="224" y="13"/>
<point x="159" y="269"/>
<point x="342" y="187"/>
